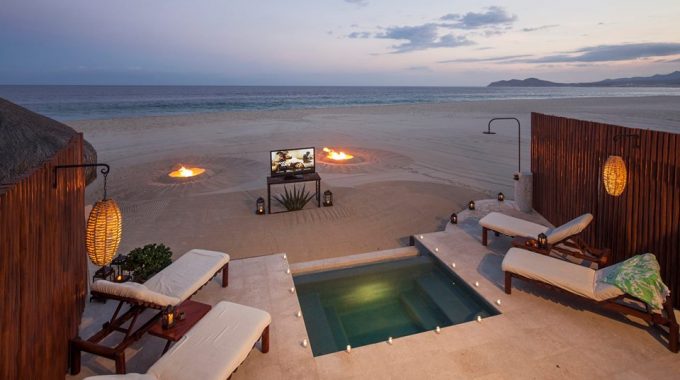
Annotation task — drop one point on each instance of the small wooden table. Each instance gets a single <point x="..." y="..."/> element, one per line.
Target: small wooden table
<point x="525" y="243"/>
<point x="308" y="177"/>
<point x="193" y="312"/>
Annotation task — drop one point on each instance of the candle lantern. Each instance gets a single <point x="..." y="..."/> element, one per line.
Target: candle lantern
<point x="168" y="317"/>
<point x="259" y="206"/>
<point x="501" y="197"/>
<point x="542" y="240"/>
<point x="471" y="205"/>
<point x="614" y="175"/>
<point x="120" y="274"/>
<point x="327" y="198"/>
<point x="454" y="218"/>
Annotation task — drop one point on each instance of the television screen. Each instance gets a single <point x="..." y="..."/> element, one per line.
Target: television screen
<point x="290" y="162"/>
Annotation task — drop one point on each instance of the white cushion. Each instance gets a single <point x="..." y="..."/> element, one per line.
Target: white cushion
<point x="175" y="283"/>
<point x="135" y="291"/>
<point x="188" y="273"/>
<point x="128" y="376"/>
<point x="571" y="277"/>
<point x="511" y="226"/>
<point x="573" y="227"/>
<point x="216" y="346"/>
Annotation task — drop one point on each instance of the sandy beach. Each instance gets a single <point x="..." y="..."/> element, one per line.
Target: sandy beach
<point x="415" y="165"/>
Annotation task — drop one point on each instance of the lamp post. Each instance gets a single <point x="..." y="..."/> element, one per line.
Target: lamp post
<point x="519" y="140"/>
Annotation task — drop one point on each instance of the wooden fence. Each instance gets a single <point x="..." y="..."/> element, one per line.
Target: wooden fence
<point x="43" y="268"/>
<point x="567" y="156"/>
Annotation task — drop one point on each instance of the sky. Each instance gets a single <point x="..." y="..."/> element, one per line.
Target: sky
<point x="334" y="42"/>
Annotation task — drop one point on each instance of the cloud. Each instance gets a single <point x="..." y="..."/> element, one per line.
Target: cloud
<point x="421" y="37"/>
<point x="419" y="68"/>
<point x="542" y="27"/>
<point x="360" y="35"/>
<point x="492" y="17"/>
<point x="607" y="53"/>
<point x="360" y="3"/>
<point x="489" y="59"/>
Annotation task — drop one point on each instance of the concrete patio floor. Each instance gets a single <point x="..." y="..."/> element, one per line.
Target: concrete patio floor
<point x="540" y="334"/>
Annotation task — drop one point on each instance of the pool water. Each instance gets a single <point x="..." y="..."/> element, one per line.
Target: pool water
<point x="368" y="304"/>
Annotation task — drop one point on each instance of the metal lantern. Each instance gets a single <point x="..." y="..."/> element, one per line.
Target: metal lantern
<point x="454" y="218"/>
<point x="260" y="206"/>
<point x="542" y="240"/>
<point x="471" y="205"/>
<point x="103" y="233"/>
<point x="327" y="198"/>
<point x="120" y="274"/>
<point x="614" y="175"/>
<point x="168" y="317"/>
<point x="501" y="197"/>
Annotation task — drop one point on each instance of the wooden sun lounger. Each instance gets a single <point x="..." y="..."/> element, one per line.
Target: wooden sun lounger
<point x="213" y="349"/>
<point x="201" y="265"/>
<point x="582" y="282"/>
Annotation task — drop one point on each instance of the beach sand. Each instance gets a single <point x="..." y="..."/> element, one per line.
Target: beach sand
<point x="416" y="164"/>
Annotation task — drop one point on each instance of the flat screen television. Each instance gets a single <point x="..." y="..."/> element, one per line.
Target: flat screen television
<point x="292" y="162"/>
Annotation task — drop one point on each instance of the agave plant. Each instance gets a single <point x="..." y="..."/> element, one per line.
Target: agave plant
<point x="295" y="200"/>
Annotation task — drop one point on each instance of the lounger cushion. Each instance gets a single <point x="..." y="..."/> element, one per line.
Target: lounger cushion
<point x="216" y="346"/>
<point x="568" y="276"/>
<point x="188" y="273"/>
<point x="135" y="291"/>
<point x="127" y="376"/>
<point x="511" y="226"/>
<point x="175" y="283"/>
<point x="573" y="227"/>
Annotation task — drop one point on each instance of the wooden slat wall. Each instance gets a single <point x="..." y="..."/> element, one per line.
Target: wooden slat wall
<point x="43" y="268"/>
<point x="566" y="160"/>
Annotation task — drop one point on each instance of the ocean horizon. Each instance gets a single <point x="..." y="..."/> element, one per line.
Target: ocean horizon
<point x="81" y="102"/>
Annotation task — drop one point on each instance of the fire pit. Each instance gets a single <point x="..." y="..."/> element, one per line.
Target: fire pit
<point x="183" y="172"/>
<point x="332" y="155"/>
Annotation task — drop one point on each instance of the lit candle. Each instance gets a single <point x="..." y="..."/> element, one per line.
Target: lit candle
<point x="476" y="283"/>
<point x="438" y="330"/>
<point x="288" y="271"/>
<point x="304" y="342"/>
<point x="453" y="265"/>
<point x="479" y="318"/>
<point x="119" y="278"/>
<point x="284" y="256"/>
<point x="348" y="349"/>
<point x="292" y="290"/>
<point x="171" y="318"/>
<point x="421" y="237"/>
<point x="498" y="302"/>
<point x="389" y="340"/>
<point x="436" y="249"/>
<point x="298" y="314"/>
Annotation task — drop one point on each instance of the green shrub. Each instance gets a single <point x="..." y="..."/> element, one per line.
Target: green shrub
<point x="295" y="200"/>
<point x="148" y="260"/>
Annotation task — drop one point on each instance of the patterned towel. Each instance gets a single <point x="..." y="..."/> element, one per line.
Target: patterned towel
<point x="640" y="277"/>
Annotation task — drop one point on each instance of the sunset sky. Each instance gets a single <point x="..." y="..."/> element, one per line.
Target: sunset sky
<point x="333" y="42"/>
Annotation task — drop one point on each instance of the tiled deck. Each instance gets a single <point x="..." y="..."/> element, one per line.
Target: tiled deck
<point x="540" y="333"/>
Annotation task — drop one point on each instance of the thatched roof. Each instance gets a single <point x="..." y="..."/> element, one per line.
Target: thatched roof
<point x="28" y="139"/>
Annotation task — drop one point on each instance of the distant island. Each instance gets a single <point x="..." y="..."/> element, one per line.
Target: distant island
<point x="659" y="80"/>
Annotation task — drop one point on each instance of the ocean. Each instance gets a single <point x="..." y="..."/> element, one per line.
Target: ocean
<point x="104" y="102"/>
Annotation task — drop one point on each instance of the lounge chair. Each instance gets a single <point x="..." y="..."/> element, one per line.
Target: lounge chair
<point x="211" y="350"/>
<point x="562" y="240"/>
<point x="584" y="282"/>
<point x="170" y="287"/>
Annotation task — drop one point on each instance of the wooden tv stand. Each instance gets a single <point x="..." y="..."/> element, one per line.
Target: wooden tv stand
<point x="309" y="177"/>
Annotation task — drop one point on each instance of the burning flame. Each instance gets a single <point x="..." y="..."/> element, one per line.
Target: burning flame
<point x="183" y="172"/>
<point x="337" y="156"/>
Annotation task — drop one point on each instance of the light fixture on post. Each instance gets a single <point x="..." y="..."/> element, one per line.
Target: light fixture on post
<point x="259" y="206"/>
<point x="327" y="198"/>
<point x="614" y="172"/>
<point x="104" y="227"/>
<point x="519" y="141"/>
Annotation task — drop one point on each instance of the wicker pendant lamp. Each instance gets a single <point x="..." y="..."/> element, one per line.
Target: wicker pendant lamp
<point x="614" y="175"/>
<point x="104" y="228"/>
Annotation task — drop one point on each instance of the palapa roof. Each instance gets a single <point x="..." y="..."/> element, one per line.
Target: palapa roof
<point x="28" y="139"/>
